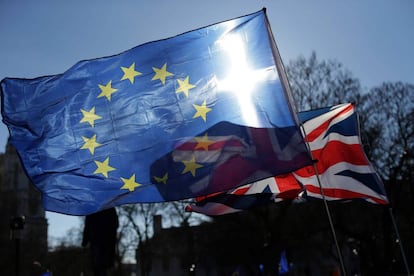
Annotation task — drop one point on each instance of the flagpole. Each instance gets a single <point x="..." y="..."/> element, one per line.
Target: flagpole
<point x="325" y="202"/>
<point x="394" y="224"/>
<point x="286" y="86"/>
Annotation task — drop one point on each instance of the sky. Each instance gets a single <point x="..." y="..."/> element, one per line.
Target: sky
<point x="372" y="38"/>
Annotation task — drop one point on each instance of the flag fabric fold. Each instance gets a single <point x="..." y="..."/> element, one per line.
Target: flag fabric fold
<point x="167" y="120"/>
<point x="344" y="170"/>
<point x="273" y="189"/>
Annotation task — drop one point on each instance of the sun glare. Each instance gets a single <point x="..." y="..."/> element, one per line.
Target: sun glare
<point x="240" y="78"/>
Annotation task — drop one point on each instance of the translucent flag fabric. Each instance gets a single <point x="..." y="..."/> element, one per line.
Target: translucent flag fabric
<point x="343" y="170"/>
<point x="119" y="129"/>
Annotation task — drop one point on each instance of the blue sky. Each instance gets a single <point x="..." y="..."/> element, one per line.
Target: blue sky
<point x="372" y="38"/>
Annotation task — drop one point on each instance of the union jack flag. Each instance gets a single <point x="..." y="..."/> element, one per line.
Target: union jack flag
<point x="343" y="170"/>
<point x="274" y="189"/>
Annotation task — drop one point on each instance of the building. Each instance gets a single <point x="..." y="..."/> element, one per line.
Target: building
<point x="23" y="228"/>
<point x="231" y="245"/>
<point x="248" y="243"/>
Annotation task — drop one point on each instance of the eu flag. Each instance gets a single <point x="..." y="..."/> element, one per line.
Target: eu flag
<point x="117" y="130"/>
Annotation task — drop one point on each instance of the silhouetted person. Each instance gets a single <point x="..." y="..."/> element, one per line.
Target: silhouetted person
<point x="100" y="232"/>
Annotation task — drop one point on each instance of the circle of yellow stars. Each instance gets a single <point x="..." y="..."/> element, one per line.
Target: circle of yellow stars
<point x="107" y="91"/>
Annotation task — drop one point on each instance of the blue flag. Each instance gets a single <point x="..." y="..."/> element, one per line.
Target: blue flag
<point x="119" y="129"/>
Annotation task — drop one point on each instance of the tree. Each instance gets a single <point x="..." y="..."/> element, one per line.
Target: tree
<point x="135" y="230"/>
<point x="316" y="84"/>
<point x="388" y="114"/>
<point x="176" y="215"/>
<point x="73" y="237"/>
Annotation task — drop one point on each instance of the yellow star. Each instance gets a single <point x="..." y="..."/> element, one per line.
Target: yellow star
<point x="202" y="111"/>
<point x="162" y="179"/>
<point x="203" y="142"/>
<point x="107" y="90"/>
<point x="184" y="86"/>
<point x="90" y="144"/>
<point x="130" y="184"/>
<point x="130" y="73"/>
<point x="103" y="167"/>
<point x="89" y="116"/>
<point x="191" y="166"/>
<point x="161" y="74"/>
